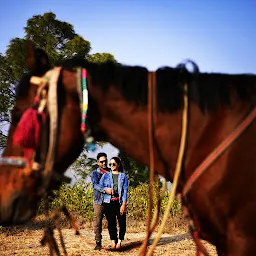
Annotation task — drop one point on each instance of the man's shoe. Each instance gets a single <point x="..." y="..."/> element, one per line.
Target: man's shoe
<point x="98" y="246"/>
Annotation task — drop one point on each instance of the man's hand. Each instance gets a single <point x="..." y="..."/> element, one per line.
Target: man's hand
<point x="122" y="209"/>
<point x="109" y="191"/>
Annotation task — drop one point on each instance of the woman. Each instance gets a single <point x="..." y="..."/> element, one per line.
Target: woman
<point x="115" y="204"/>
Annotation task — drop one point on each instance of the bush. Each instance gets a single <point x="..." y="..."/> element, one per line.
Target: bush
<point x="79" y="199"/>
<point x="138" y="203"/>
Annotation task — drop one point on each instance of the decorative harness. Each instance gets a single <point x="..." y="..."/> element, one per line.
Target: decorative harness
<point x="47" y="98"/>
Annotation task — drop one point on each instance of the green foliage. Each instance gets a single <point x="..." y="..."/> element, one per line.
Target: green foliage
<point x="52" y="35"/>
<point x="137" y="173"/>
<point x="77" y="47"/>
<point x="84" y="165"/>
<point x="138" y="202"/>
<point x="7" y="95"/>
<point x="101" y="57"/>
<point x="15" y="57"/>
<point x="79" y="199"/>
<point x="6" y="91"/>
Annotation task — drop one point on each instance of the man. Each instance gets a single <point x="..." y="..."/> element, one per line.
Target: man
<point x="98" y="192"/>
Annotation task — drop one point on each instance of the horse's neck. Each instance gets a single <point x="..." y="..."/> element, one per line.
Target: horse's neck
<point x="126" y="126"/>
<point x="207" y="131"/>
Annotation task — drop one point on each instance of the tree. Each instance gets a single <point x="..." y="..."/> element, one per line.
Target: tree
<point x="6" y="91"/>
<point x="84" y="165"/>
<point x="137" y="173"/>
<point x="7" y="95"/>
<point x="57" y="38"/>
<point x="101" y="57"/>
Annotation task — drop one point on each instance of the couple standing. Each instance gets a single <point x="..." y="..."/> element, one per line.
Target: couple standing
<point x="110" y="190"/>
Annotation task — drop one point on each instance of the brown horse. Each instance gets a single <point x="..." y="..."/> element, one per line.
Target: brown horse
<point x="221" y="200"/>
<point x="21" y="188"/>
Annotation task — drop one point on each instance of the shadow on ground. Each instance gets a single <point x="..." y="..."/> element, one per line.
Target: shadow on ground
<point x="163" y="241"/>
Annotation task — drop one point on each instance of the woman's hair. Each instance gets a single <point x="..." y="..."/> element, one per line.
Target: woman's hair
<point x="118" y="161"/>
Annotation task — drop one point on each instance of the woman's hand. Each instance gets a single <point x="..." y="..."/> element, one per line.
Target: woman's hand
<point x="122" y="209"/>
<point x="109" y="191"/>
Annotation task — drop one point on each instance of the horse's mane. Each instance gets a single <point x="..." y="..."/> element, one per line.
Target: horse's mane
<point x="207" y="90"/>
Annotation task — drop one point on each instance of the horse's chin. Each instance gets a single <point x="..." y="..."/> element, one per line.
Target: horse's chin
<point x="20" y="211"/>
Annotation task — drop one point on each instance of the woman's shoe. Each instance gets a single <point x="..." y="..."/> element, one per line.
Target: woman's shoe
<point x="119" y="244"/>
<point x="113" y="245"/>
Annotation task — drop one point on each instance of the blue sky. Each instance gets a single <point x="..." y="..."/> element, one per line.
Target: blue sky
<point x="219" y="35"/>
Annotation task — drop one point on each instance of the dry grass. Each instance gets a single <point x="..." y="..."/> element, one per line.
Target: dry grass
<point x="25" y="240"/>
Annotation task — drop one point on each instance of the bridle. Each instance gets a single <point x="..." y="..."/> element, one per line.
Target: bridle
<point x="51" y="79"/>
<point x="47" y="100"/>
<point x="152" y="95"/>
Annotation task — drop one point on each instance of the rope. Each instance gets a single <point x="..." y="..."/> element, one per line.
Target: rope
<point x="152" y="87"/>
<point x="53" y="112"/>
<point x="151" y="158"/>
<point x="177" y="170"/>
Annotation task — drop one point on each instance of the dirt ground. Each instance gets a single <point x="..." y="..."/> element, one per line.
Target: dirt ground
<point x="25" y="241"/>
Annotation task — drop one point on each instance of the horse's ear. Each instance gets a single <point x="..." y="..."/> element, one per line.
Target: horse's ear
<point x="37" y="60"/>
<point x="42" y="60"/>
<point x="30" y="56"/>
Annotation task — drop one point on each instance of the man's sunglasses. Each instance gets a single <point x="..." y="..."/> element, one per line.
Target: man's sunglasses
<point x="104" y="161"/>
<point x="112" y="164"/>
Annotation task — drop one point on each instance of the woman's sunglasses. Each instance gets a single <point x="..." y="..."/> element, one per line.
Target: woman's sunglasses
<point x="112" y="164"/>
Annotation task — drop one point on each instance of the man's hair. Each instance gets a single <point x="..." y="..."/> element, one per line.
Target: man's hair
<point x="101" y="154"/>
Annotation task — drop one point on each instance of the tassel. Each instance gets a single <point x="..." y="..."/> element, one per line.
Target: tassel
<point x="27" y="133"/>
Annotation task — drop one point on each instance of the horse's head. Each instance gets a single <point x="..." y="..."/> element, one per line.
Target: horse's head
<point x="21" y="188"/>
